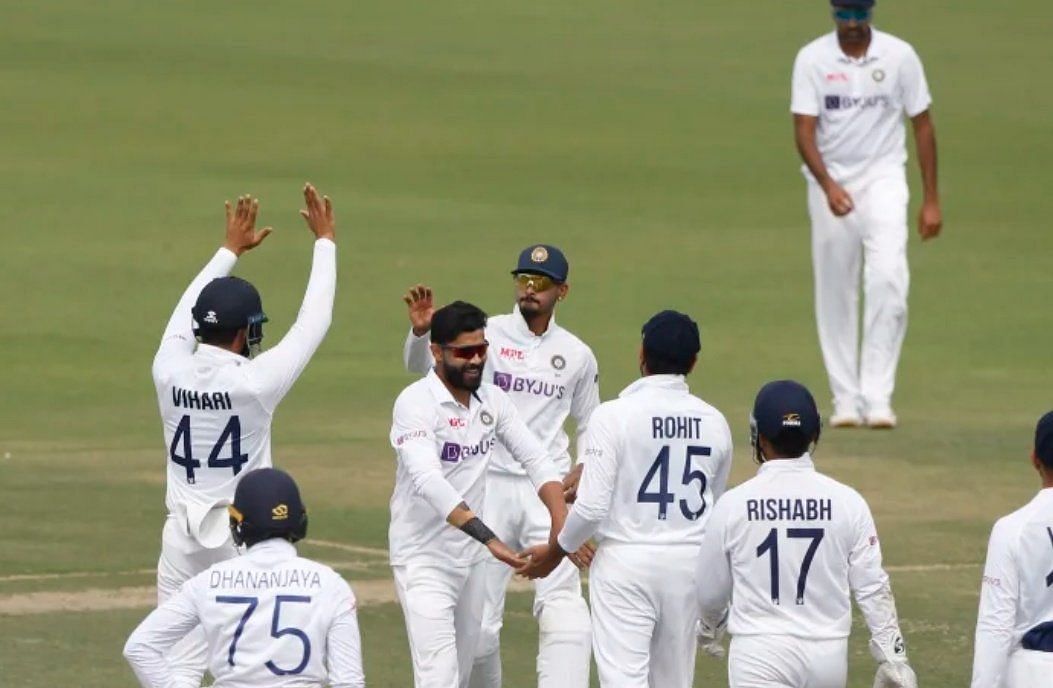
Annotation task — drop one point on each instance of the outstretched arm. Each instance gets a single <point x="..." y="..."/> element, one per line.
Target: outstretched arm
<point x="277" y="369"/>
<point x="178" y="338"/>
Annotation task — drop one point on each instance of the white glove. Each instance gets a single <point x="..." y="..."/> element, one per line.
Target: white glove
<point x="709" y="637"/>
<point x="893" y="670"/>
<point x="895" y="675"/>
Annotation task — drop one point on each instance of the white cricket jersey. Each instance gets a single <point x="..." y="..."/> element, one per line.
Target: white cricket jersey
<point x="443" y="450"/>
<point x="216" y="406"/>
<point x="548" y="377"/>
<point x="860" y="103"/>
<point x="271" y="619"/>
<point x="656" y="459"/>
<point x="1017" y="592"/>
<point x="787" y="547"/>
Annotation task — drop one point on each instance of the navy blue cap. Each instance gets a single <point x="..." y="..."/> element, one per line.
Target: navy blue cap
<point x="228" y="303"/>
<point x="1044" y="439"/>
<point x="785" y="406"/>
<point x="673" y="336"/>
<point x="543" y="259"/>
<point x="861" y="4"/>
<point x="267" y="504"/>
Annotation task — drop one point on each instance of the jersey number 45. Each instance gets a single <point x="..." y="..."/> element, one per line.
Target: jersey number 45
<point x="231" y="435"/>
<point x="663" y="497"/>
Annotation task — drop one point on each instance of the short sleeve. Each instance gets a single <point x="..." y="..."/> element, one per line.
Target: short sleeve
<point x="804" y="96"/>
<point x="914" y="88"/>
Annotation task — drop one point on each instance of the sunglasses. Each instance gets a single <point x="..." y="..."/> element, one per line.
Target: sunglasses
<point x="535" y="282"/>
<point x="468" y="351"/>
<point x="849" y="14"/>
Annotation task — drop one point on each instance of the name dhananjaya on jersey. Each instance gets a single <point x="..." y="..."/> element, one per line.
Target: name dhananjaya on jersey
<point x="265" y="580"/>
<point x="202" y="401"/>
<point x="676" y="427"/>
<point x="789" y="509"/>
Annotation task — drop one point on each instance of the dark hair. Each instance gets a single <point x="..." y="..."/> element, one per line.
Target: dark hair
<point x="662" y="365"/>
<point x="450" y="321"/>
<point x="218" y="337"/>
<point x="790" y="445"/>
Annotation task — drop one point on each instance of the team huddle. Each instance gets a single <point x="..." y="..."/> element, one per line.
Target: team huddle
<point x="487" y="485"/>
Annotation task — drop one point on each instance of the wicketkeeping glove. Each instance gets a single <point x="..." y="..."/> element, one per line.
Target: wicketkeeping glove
<point x="893" y="670"/>
<point x="709" y="637"/>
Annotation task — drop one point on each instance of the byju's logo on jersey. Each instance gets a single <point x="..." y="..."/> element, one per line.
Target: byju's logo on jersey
<point x="452" y="452"/>
<point x="857" y="102"/>
<point x="539" y="388"/>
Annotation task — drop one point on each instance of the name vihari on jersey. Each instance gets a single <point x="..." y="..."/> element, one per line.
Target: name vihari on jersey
<point x="789" y="509"/>
<point x="202" y="401"/>
<point x="265" y="580"/>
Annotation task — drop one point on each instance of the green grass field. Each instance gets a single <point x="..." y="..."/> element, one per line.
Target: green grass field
<point x="650" y="140"/>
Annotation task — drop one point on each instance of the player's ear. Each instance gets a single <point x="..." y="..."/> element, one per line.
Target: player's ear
<point x="694" y="362"/>
<point x="564" y="289"/>
<point x="436" y="353"/>
<point x="1035" y="461"/>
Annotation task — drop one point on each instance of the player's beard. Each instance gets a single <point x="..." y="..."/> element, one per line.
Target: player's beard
<point x="467" y="378"/>
<point x="529" y="305"/>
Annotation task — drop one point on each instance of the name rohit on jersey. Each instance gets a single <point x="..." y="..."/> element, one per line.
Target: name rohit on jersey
<point x="265" y="580"/>
<point x="202" y="401"/>
<point x="676" y="428"/>
<point x="789" y="509"/>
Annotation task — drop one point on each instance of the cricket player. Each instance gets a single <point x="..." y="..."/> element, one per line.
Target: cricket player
<point x="217" y="397"/>
<point x="1014" y="630"/>
<point x="444" y="431"/>
<point x="271" y="618"/>
<point x="550" y="375"/>
<point x="851" y="89"/>
<point x="656" y="459"/>
<point x="787" y="548"/>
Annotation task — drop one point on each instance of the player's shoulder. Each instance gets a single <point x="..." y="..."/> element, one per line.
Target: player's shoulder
<point x="415" y="399"/>
<point x="893" y="44"/>
<point x="1012" y="524"/>
<point x="817" y="48"/>
<point x="575" y="344"/>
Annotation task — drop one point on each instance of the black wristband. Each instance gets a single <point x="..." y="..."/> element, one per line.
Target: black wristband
<point x="478" y="530"/>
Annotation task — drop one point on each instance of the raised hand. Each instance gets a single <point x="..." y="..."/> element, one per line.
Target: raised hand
<point x="241" y="226"/>
<point x="319" y="214"/>
<point x="542" y="560"/>
<point x="421" y="308"/>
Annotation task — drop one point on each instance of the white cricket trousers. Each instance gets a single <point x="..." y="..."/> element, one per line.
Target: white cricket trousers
<point x="1029" y="669"/>
<point x="871" y="238"/>
<point x="443" y="606"/>
<point x="181" y="559"/>
<point x="519" y="518"/>
<point x="644" y="613"/>
<point x="784" y="661"/>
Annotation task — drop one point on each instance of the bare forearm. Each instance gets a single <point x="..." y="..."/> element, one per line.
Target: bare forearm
<point x="804" y="136"/>
<point x="551" y="494"/>
<point x="925" y="138"/>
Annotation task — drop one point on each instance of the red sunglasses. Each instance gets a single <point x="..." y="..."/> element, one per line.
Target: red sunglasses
<point x="468" y="351"/>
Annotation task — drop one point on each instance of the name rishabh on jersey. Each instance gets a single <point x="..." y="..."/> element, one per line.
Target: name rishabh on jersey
<point x="271" y="618"/>
<point x="789" y="547"/>
<point x="216" y="406"/>
<point x="860" y="103"/>
<point x="656" y="460"/>
<point x="443" y="451"/>
<point x="548" y="377"/>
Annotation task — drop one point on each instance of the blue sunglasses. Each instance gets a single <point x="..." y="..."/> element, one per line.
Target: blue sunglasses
<point x="848" y="14"/>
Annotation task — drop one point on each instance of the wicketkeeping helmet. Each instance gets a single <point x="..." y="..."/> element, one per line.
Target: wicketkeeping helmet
<point x="227" y="304"/>
<point x="267" y="505"/>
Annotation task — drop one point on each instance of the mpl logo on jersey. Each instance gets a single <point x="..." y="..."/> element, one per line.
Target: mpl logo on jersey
<point x="453" y="452"/>
<point x="512" y="354"/>
<point x="539" y="388"/>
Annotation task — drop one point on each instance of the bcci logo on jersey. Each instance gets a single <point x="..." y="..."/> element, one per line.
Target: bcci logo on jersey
<point x="452" y="452"/>
<point x="539" y="388"/>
